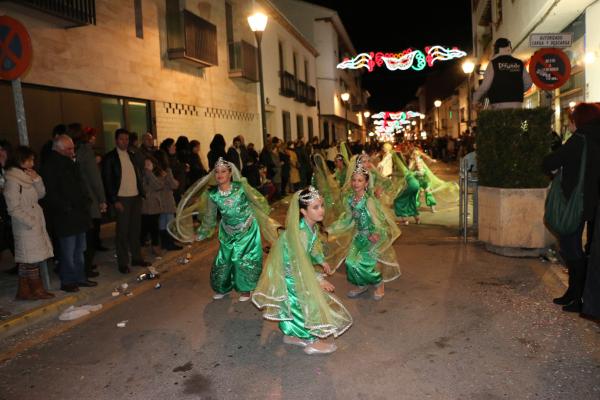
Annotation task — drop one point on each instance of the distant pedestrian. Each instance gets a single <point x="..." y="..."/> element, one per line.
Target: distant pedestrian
<point x="217" y="150"/>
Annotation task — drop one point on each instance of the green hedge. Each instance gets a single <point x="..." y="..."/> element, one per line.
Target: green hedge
<point x="511" y="145"/>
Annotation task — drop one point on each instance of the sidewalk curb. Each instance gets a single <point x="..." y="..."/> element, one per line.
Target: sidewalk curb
<point x="168" y="268"/>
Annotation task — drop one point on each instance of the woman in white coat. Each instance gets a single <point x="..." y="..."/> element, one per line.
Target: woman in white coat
<point x="24" y="187"/>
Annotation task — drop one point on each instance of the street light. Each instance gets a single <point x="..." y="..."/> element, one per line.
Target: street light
<point x="468" y="66"/>
<point x="258" y="23"/>
<point x="345" y="97"/>
<point x="437" y="105"/>
<point x="589" y="57"/>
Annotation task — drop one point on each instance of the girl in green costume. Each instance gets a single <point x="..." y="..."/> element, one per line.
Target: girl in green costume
<point x="446" y="193"/>
<point x="418" y="166"/>
<point x="340" y="170"/>
<point x="238" y="264"/>
<point x="406" y="203"/>
<point x="370" y="258"/>
<point x="291" y="291"/>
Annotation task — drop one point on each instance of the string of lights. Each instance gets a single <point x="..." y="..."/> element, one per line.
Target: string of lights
<point x="408" y="59"/>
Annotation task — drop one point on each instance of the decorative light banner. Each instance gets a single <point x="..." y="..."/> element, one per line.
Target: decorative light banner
<point x="387" y="124"/>
<point x="409" y="58"/>
<point x="396" y="115"/>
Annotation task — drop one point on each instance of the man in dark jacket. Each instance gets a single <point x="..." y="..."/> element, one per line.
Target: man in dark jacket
<point x="68" y="206"/>
<point x="123" y="186"/>
<point x="505" y="79"/>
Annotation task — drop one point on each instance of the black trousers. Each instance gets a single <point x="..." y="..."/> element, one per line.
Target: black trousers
<point x="571" y="250"/>
<point x="150" y="228"/>
<point x="128" y="230"/>
<point x="97" y="242"/>
<point x="90" y="249"/>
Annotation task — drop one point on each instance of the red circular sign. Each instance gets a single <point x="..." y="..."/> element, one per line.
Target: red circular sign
<point x="549" y="68"/>
<point x="15" y="48"/>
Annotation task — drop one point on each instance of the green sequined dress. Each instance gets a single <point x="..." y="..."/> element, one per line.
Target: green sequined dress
<point x="406" y="204"/>
<point x="425" y="187"/>
<point x="238" y="264"/>
<point x="340" y="176"/>
<point x="296" y="326"/>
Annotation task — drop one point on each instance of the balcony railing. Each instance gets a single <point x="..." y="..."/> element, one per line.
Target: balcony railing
<point x="243" y="61"/>
<point x="71" y="13"/>
<point x="301" y="92"/>
<point x="190" y="38"/>
<point x="287" y="86"/>
<point x="312" y="97"/>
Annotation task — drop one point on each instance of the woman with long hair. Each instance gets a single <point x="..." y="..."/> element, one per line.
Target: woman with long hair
<point x="291" y="290"/>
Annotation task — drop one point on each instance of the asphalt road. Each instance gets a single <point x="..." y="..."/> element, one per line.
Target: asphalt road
<point x="460" y="323"/>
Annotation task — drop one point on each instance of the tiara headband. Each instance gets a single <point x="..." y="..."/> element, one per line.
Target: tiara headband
<point x="360" y="169"/>
<point x="311" y="196"/>
<point x="222" y="163"/>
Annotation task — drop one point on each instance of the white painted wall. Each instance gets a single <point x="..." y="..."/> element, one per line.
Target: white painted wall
<point x="274" y="34"/>
<point x="592" y="43"/>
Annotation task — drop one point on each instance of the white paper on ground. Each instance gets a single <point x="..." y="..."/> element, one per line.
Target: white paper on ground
<point x="73" y="312"/>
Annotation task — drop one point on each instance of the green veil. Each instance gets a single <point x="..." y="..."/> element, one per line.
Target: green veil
<point x="323" y="313"/>
<point x="447" y="192"/>
<point x="343" y="231"/>
<point x="194" y="202"/>
<point x="325" y="182"/>
<point x="345" y="152"/>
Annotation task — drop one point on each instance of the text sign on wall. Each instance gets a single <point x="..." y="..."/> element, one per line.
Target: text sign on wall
<point x="549" y="68"/>
<point x="551" y="40"/>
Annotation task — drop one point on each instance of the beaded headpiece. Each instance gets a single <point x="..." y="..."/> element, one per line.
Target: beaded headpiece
<point x="311" y="196"/>
<point x="360" y="169"/>
<point x="222" y="163"/>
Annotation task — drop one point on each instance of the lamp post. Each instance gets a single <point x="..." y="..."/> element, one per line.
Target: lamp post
<point x="437" y="105"/>
<point x="258" y="23"/>
<point x="468" y="66"/>
<point x="367" y="115"/>
<point x="345" y="97"/>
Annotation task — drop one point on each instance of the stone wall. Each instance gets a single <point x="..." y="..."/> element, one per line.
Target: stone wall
<point x="109" y="59"/>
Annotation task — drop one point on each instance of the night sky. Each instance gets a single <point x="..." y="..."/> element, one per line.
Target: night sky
<point x="392" y="26"/>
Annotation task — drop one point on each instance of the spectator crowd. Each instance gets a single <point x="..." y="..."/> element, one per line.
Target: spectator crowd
<point x="52" y="207"/>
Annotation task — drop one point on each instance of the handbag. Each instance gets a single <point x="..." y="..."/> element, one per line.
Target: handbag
<point x="564" y="216"/>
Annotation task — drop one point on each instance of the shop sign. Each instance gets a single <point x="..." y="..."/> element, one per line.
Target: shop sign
<point x="551" y="40"/>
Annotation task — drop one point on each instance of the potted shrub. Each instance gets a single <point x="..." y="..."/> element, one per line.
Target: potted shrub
<point x="511" y="145"/>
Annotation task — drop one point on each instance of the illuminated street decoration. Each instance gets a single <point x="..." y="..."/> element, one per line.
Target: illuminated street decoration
<point x="408" y="59"/>
<point x="388" y="124"/>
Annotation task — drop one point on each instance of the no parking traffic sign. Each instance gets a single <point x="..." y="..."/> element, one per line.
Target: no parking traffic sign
<point x="15" y="48"/>
<point x="549" y="68"/>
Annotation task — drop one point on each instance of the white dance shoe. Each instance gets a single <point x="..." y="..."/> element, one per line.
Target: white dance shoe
<point x="219" y="296"/>
<point x="357" y="292"/>
<point x="245" y="297"/>
<point x="295" y="341"/>
<point x="320" y="347"/>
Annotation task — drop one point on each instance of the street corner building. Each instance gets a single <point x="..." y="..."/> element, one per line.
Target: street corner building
<point x="179" y="67"/>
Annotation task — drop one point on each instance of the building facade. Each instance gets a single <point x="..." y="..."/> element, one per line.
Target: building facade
<point x="290" y="79"/>
<point x="517" y="20"/>
<point x="338" y="120"/>
<point x="170" y="67"/>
